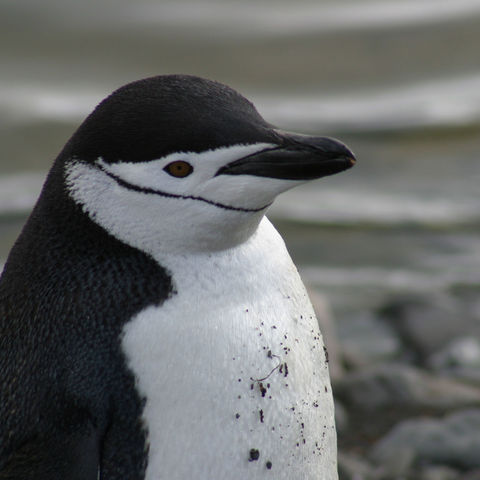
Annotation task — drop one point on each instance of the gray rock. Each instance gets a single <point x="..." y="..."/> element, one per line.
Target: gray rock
<point x="366" y="340"/>
<point x="395" y="386"/>
<point x="426" y="323"/>
<point x="471" y="475"/>
<point x="379" y="397"/>
<point x="351" y="467"/>
<point x="469" y="295"/>
<point x="438" y="473"/>
<point x="452" y="441"/>
<point x="461" y="352"/>
<point x="396" y="464"/>
<point x="459" y="359"/>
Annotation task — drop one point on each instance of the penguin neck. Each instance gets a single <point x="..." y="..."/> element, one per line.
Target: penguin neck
<point x="249" y="263"/>
<point x="158" y="224"/>
<point x="223" y="241"/>
<point x="207" y="241"/>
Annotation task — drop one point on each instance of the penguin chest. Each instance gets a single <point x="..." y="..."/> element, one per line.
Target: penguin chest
<point x="233" y="370"/>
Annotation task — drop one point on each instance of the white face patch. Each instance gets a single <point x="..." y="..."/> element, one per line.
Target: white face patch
<point x="200" y="185"/>
<point x="146" y="207"/>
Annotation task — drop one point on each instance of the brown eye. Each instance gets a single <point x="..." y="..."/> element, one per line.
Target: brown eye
<point x="179" y="169"/>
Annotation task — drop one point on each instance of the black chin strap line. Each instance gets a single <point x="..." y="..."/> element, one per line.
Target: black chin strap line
<point x="145" y="190"/>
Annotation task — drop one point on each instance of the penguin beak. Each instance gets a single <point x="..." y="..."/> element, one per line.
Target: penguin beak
<point x="297" y="157"/>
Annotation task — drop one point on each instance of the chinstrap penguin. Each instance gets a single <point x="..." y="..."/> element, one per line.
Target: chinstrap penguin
<point x="152" y="323"/>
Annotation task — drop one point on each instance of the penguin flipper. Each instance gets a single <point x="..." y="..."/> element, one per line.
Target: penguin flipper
<point x="60" y="457"/>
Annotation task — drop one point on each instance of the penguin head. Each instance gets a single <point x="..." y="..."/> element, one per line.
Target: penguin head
<point x="178" y="163"/>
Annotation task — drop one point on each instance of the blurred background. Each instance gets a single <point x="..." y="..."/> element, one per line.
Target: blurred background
<point x="393" y="244"/>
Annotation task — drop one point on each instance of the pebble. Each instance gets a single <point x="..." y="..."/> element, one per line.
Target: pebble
<point x="452" y="441"/>
<point x="366" y="340"/>
<point x="427" y="323"/>
<point x="403" y="387"/>
<point x="441" y="472"/>
<point x="406" y="381"/>
<point x="352" y="467"/>
<point x="459" y="359"/>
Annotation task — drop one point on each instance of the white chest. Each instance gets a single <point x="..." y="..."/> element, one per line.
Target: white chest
<point x="233" y="370"/>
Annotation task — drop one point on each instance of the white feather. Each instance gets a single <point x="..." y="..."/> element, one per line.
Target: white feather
<point x="240" y="324"/>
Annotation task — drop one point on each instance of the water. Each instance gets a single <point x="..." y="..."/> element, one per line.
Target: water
<point x="398" y="81"/>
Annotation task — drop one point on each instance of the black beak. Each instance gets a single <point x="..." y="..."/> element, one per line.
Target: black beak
<point x="297" y="157"/>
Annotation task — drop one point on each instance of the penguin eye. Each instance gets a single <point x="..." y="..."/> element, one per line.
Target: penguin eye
<point x="179" y="169"/>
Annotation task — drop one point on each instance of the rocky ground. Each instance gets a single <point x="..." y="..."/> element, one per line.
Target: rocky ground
<point x="406" y="380"/>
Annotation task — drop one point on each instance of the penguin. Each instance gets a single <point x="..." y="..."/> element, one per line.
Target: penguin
<point x="152" y="323"/>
